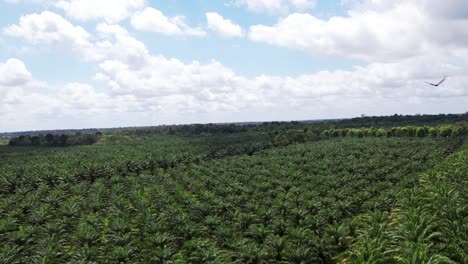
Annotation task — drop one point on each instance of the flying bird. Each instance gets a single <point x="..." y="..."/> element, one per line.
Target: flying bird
<point x="437" y="84"/>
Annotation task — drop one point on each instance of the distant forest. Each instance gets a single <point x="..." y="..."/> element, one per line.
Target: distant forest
<point x="408" y="120"/>
<point x="281" y="133"/>
<point x="53" y="132"/>
<point x="57" y="140"/>
<point x="363" y="121"/>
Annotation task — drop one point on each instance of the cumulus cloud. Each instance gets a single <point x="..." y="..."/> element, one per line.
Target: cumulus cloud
<point x="117" y="43"/>
<point x="14" y="73"/>
<point x="14" y="78"/>
<point x="453" y="9"/>
<point x="274" y="6"/>
<point x="206" y="86"/>
<point x="153" y="20"/>
<point x="51" y="28"/>
<point x="26" y="103"/>
<point x="170" y="85"/>
<point x="161" y="83"/>
<point x="372" y="30"/>
<point x="223" y="27"/>
<point x="213" y="86"/>
<point x="112" y="11"/>
<point x="167" y="83"/>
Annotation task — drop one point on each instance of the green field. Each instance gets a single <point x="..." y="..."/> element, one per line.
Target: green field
<point x="252" y="196"/>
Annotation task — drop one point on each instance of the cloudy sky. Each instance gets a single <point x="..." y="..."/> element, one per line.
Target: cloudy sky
<point x="112" y="63"/>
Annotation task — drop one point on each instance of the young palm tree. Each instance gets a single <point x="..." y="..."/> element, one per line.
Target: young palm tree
<point x="10" y="253"/>
<point x="276" y="245"/>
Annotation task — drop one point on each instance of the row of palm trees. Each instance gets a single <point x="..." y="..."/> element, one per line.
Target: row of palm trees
<point x="427" y="224"/>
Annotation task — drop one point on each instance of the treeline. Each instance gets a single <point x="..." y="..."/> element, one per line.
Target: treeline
<point x="56" y="132"/>
<point x="228" y="128"/>
<point x="57" y="140"/>
<point x="405" y="120"/>
<point x="286" y="137"/>
<point x="192" y="129"/>
<point x="408" y="131"/>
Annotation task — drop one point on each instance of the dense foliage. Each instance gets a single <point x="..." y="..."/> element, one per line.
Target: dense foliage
<point x="55" y="140"/>
<point x="408" y="131"/>
<point x="404" y="120"/>
<point x="428" y="224"/>
<point x="53" y="132"/>
<point x="226" y="198"/>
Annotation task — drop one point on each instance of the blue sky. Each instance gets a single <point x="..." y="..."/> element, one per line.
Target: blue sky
<point x="82" y="63"/>
<point x="241" y="55"/>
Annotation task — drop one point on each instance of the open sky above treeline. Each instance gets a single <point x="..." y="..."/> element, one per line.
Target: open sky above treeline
<point x="115" y="63"/>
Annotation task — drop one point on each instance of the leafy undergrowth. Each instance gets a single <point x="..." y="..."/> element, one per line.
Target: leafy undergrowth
<point x="429" y="223"/>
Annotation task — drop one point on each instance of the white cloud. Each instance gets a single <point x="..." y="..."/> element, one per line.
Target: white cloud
<point x="112" y="11"/>
<point x="52" y="29"/>
<point x="223" y="27"/>
<point x="26" y="103"/>
<point x="453" y="9"/>
<point x="83" y="98"/>
<point x="118" y="44"/>
<point x="206" y="86"/>
<point x="14" y="78"/>
<point x="14" y="73"/>
<point x="153" y="20"/>
<point x="270" y="6"/>
<point x="275" y="6"/>
<point x="378" y="30"/>
<point x="162" y="83"/>
<point x="303" y="4"/>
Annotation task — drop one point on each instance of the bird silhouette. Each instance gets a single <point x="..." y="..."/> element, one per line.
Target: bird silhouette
<point x="437" y="84"/>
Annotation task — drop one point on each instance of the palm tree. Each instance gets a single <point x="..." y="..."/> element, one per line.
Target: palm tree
<point x="276" y="244"/>
<point x="10" y="253"/>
